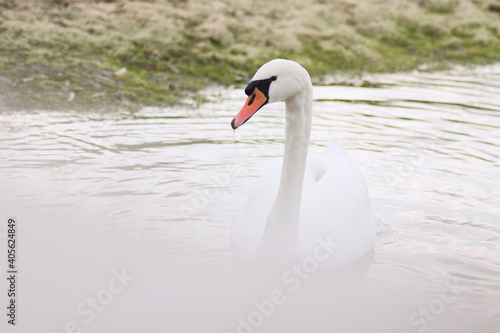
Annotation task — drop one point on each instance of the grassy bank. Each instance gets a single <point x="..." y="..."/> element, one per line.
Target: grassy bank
<point x="63" y="54"/>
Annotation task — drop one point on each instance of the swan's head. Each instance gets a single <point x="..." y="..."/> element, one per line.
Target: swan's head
<point x="275" y="81"/>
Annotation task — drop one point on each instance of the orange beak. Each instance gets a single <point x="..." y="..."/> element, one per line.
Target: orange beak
<point x="253" y="104"/>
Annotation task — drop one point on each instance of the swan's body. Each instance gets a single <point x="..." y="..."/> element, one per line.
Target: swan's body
<point x="323" y="197"/>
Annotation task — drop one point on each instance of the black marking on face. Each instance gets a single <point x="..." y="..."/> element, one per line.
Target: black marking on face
<point x="262" y="85"/>
<point x="251" y="100"/>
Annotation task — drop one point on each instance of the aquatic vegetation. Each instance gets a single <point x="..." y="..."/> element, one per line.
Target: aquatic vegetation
<point x="172" y="49"/>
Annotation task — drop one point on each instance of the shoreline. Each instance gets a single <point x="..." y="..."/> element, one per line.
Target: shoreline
<point x="110" y="54"/>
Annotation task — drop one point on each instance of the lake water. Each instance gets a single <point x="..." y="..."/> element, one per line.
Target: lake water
<point x="155" y="192"/>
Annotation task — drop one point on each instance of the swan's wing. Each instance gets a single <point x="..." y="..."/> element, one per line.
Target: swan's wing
<point x="336" y="205"/>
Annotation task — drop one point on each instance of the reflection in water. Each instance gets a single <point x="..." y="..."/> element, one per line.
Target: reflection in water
<point x="428" y="145"/>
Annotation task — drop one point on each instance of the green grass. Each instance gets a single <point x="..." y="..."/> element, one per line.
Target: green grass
<point x="173" y="49"/>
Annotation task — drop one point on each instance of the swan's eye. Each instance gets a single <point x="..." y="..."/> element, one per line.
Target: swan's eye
<point x="251" y="100"/>
<point x="273" y="78"/>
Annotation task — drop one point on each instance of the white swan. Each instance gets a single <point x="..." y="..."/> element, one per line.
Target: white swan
<point x="324" y="197"/>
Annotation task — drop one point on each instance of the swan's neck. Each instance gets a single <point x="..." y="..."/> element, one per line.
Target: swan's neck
<point x="283" y="218"/>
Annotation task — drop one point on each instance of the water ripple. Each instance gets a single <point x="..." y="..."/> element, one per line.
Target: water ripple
<point x="427" y="143"/>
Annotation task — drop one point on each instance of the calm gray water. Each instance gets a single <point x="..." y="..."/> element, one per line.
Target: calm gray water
<point x="427" y="143"/>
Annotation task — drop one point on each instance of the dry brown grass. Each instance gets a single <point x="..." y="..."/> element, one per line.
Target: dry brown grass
<point x="214" y="41"/>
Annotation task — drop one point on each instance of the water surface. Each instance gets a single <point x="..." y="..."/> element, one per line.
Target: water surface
<point x="428" y="145"/>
